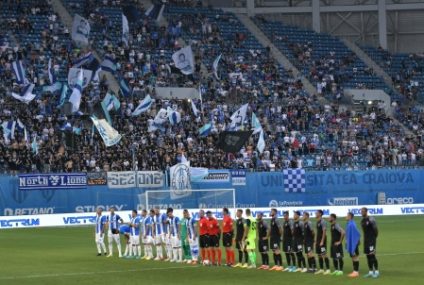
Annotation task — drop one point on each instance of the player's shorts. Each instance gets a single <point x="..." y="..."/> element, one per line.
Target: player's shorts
<point x="337" y="251"/>
<point x="250" y="244"/>
<point x="147" y="240"/>
<point x="214" y="241"/>
<point x="263" y="245"/>
<point x="99" y="237"/>
<point x="227" y="239"/>
<point x="275" y="243"/>
<point x="240" y="245"/>
<point x="175" y="241"/>
<point x="115" y="237"/>
<point x="135" y="240"/>
<point x="356" y="252"/>
<point x="370" y="247"/>
<point x="288" y="246"/>
<point x="204" y="241"/>
<point x="309" y="247"/>
<point x="159" y="239"/>
<point x="320" y="250"/>
<point x="297" y="246"/>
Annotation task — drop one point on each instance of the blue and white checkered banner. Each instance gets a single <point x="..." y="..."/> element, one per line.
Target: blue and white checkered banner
<point x="294" y="180"/>
<point x="52" y="181"/>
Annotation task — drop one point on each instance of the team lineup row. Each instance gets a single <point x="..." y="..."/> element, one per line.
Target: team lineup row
<point x="184" y="239"/>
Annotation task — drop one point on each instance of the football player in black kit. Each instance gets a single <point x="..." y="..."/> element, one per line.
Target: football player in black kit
<point x="298" y="240"/>
<point x="370" y="230"/>
<point x="240" y="246"/>
<point x="263" y="241"/>
<point x="275" y="233"/>
<point x="337" y="236"/>
<point x="309" y="242"/>
<point x="288" y="242"/>
<point x="321" y="244"/>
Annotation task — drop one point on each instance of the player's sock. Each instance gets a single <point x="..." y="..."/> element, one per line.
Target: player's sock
<point x="375" y="263"/>
<point x="126" y="249"/>
<point x="327" y="263"/>
<point x="99" y="249"/>
<point x="280" y="259"/>
<point x="180" y="254"/>
<point x="264" y="256"/>
<point x="370" y="263"/>
<point x="252" y="258"/>
<point x="321" y="262"/>
<point x="341" y="263"/>
<point x="356" y="266"/>
<point x="288" y="258"/>
<point x="314" y="263"/>
<point x="203" y="254"/>
<point x="336" y="264"/>
<point x="233" y="257"/>
<point x="293" y="259"/>
<point x="246" y="257"/>
<point x="194" y="252"/>
<point x="219" y="254"/>
<point x="240" y="256"/>
<point x="103" y="246"/>
<point x="175" y="253"/>
<point x="211" y="255"/>
<point x="118" y="245"/>
<point x="159" y="252"/>
<point x="110" y="247"/>
<point x="139" y="250"/>
<point x="275" y="259"/>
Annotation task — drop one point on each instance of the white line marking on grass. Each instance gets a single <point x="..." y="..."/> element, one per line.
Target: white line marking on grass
<point x="400" y="253"/>
<point x="92" y="273"/>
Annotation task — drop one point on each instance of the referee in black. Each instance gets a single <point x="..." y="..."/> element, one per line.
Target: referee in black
<point x="369" y="227"/>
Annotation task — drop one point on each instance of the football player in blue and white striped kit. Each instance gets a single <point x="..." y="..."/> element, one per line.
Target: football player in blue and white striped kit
<point x="100" y="231"/>
<point x="159" y="222"/>
<point x="191" y="225"/>
<point x="174" y="234"/>
<point x="148" y="235"/>
<point x="114" y="221"/>
<point x="135" y="248"/>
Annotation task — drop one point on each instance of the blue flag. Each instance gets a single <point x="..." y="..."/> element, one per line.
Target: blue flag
<point x="205" y="130"/>
<point x="352" y="237"/>
<point x="143" y="106"/>
<point x="125" y="89"/>
<point x="63" y="94"/>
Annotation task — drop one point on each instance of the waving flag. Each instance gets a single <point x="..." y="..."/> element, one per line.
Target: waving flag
<point x="83" y="60"/>
<point x="155" y="11"/>
<point x="80" y="30"/>
<point x="52" y="76"/>
<point x="215" y="66"/>
<point x="73" y="74"/>
<point x="230" y="141"/>
<point x="63" y="94"/>
<point x="294" y="180"/>
<point x="110" y="102"/>
<point x="205" y="130"/>
<point x="238" y="118"/>
<point x="256" y="125"/>
<point x="26" y="95"/>
<point x="75" y="97"/>
<point x="21" y="128"/>
<point x="194" y="108"/>
<point x="184" y="60"/>
<point x="108" y="64"/>
<point x="261" y="143"/>
<point x="143" y="106"/>
<point x="125" y="89"/>
<point x="174" y="116"/>
<point x="161" y="117"/>
<point x="352" y="237"/>
<point x="125" y="30"/>
<point x="34" y="145"/>
<point x="53" y="88"/>
<point x="109" y="135"/>
<point x="19" y="71"/>
<point x="8" y="130"/>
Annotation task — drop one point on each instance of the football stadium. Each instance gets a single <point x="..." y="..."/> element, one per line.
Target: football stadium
<point x="211" y="142"/>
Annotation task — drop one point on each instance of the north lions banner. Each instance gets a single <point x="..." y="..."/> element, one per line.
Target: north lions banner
<point x="180" y="180"/>
<point x="80" y="30"/>
<point x="294" y="180"/>
<point x="52" y="181"/>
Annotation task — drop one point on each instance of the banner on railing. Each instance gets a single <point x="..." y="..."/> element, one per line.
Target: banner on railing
<point x="52" y="181"/>
<point x="132" y="179"/>
<point x="96" y="178"/>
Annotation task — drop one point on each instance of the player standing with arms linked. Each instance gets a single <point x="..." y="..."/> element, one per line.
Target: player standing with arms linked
<point x="275" y="232"/>
<point x="227" y="237"/>
<point x="135" y="234"/>
<point x="240" y="245"/>
<point x="214" y="232"/>
<point x="288" y="242"/>
<point x="203" y="237"/>
<point x="309" y="242"/>
<point x="337" y="236"/>
<point x="113" y="221"/>
<point x="321" y="244"/>
<point x="192" y="236"/>
<point x="100" y="232"/>
<point x="298" y="240"/>
<point x="175" y="235"/>
<point x="263" y="236"/>
<point x="369" y="227"/>
<point x="250" y="238"/>
<point x="159" y="232"/>
<point x="352" y="243"/>
<point x="147" y="231"/>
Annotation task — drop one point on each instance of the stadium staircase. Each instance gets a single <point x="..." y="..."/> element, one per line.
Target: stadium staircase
<point x="66" y="19"/>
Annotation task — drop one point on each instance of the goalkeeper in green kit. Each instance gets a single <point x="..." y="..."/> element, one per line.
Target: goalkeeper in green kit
<point x="184" y="241"/>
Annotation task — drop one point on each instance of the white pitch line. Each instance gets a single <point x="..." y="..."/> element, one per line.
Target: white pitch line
<point x="400" y="253"/>
<point x="91" y="273"/>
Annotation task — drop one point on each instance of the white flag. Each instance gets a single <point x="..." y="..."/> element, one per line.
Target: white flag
<point x="143" y="106"/>
<point x="52" y="77"/>
<point x="237" y="119"/>
<point x="194" y="108"/>
<point x="75" y="97"/>
<point x="125" y="30"/>
<point x="174" y="116"/>
<point x="80" y="30"/>
<point x="215" y="66"/>
<point x="109" y="135"/>
<point x="256" y="125"/>
<point x="26" y="95"/>
<point x="261" y="142"/>
<point x="73" y="74"/>
<point x="161" y="117"/>
<point x="19" y="71"/>
<point x="184" y="60"/>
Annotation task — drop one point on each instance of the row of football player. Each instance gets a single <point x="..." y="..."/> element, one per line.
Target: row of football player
<point x="165" y="231"/>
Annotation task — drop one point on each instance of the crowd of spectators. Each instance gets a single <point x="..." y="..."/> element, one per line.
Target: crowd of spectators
<point x="298" y="129"/>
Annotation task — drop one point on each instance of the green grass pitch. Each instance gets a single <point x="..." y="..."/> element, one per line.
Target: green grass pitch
<point x="68" y="256"/>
